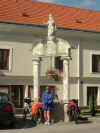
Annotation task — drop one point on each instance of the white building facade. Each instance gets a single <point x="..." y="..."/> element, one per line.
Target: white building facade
<point x="16" y="75"/>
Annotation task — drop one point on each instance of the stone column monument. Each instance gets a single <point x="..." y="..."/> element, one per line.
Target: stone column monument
<point x="52" y="47"/>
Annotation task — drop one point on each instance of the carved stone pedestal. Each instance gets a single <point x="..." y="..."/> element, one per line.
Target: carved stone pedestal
<point x="66" y="117"/>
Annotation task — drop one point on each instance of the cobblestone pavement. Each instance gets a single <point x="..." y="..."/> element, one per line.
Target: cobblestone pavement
<point x="21" y="126"/>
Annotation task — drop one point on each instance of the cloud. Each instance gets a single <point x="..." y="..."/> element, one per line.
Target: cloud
<point x="49" y="1"/>
<point x="59" y="2"/>
<point x="88" y="3"/>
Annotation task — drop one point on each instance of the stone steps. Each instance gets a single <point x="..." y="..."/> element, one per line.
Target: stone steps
<point x="19" y="110"/>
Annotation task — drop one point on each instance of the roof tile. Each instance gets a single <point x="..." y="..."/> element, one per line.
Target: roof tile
<point x="37" y="13"/>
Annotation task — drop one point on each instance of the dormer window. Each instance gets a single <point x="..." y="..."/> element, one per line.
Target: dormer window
<point x="24" y="14"/>
<point x="78" y="21"/>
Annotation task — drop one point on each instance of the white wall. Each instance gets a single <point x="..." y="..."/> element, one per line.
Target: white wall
<point x="21" y="58"/>
<point x="80" y="68"/>
<point x="89" y="47"/>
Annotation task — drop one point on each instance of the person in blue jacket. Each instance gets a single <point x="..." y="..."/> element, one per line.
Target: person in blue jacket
<point x="47" y="101"/>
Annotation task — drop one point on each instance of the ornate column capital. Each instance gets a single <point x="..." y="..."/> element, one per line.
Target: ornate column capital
<point x="65" y="58"/>
<point x="36" y="60"/>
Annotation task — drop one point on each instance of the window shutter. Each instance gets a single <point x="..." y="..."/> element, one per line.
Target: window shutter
<point x="93" y="63"/>
<point x="98" y="63"/>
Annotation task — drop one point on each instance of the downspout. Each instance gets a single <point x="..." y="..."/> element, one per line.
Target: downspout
<point x="79" y="100"/>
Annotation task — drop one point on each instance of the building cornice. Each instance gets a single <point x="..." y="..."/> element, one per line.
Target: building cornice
<point x="45" y="26"/>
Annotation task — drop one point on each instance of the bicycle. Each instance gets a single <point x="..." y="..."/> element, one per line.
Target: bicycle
<point x="27" y="108"/>
<point x="75" y="114"/>
<point x="34" y="110"/>
<point x="73" y="110"/>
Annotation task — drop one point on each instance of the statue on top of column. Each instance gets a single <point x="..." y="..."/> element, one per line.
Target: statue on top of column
<point x="51" y="28"/>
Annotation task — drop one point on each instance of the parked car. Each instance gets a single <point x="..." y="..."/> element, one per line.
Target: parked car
<point x="7" y="110"/>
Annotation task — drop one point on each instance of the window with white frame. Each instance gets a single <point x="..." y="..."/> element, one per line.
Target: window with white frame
<point x="4" y="59"/>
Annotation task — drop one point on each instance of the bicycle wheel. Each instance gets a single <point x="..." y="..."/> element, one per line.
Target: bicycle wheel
<point x="34" y="119"/>
<point x="25" y="114"/>
<point x="73" y="115"/>
<point x="70" y="116"/>
<point x="76" y="117"/>
<point x="40" y="116"/>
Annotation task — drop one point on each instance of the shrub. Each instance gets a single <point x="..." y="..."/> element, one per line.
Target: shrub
<point x="91" y="103"/>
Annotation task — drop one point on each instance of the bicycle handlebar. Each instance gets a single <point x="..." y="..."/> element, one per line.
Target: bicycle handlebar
<point x="66" y="103"/>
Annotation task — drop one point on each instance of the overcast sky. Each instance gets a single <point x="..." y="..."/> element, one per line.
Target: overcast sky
<point x="86" y="4"/>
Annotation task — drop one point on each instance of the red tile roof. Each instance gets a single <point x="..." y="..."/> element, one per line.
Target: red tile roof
<point x="32" y="12"/>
